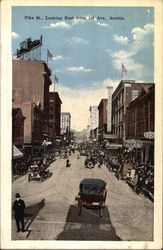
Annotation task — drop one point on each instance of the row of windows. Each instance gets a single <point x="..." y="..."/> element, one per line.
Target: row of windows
<point x="120" y="100"/>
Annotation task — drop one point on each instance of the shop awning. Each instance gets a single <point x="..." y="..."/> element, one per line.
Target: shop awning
<point x="16" y="153"/>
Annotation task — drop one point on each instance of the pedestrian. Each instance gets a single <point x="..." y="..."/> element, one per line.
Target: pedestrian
<point x="18" y="207"/>
<point x="68" y="164"/>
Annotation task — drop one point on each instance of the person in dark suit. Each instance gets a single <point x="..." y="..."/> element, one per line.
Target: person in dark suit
<point x="18" y="208"/>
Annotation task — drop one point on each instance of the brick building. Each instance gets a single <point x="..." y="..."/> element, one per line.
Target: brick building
<point x="140" y="125"/>
<point x="17" y="127"/>
<point x="54" y="114"/>
<point x="126" y="91"/>
<point x="31" y="80"/>
<point x="102" y="127"/>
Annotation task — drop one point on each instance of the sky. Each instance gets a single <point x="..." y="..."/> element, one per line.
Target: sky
<point x="89" y="45"/>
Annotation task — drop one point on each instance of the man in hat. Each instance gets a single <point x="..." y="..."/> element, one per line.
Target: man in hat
<point x="18" y="207"/>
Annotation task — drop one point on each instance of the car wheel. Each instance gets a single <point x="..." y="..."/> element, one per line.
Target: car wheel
<point x="100" y="212"/>
<point x="79" y="210"/>
<point x="135" y="188"/>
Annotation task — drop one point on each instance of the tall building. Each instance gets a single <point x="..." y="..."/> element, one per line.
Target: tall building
<point x="54" y="114"/>
<point x="102" y="127"/>
<point x="31" y="81"/>
<point x="65" y="122"/>
<point x="94" y="115"/>
<point x="109" y="109"/>
<point x="140" y="126"/>
<point x="126" y="91"/>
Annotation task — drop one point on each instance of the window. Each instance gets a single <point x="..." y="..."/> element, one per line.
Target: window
<point x="51" y="100"/>
<point x="51" y="109"/>
<point x="134" y="94"/>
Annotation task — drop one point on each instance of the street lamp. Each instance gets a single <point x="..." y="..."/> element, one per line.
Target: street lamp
<point x="44" y="144"/>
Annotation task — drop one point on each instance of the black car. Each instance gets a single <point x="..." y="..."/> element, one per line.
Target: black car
<point x="90" y="162"/>
<point x="92" y="194"/>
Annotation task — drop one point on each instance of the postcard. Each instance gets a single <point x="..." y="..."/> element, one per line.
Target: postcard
<point x="81" y="125"/>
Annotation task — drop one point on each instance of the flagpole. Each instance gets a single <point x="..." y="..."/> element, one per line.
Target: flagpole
<point x="122" y="73"/>
<point x="54" y="82"/>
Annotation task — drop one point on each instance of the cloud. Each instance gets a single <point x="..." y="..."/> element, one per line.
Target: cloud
<point x="122" y="54"/>
<point x="121" y="39"/>
<point x="78" y="102"/>
<point x="78" y="69"/>
<point x="56" y="58"/>
<point x="103" y="24"/>
<point x="77" y="40"/>
<point x="14" y="35"/>
<point x="142" y="38"/>
<point x="130" y="64"/>
<point x="57" y="25"/>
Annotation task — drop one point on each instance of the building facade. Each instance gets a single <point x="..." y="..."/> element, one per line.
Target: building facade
<point x="31" y="81"/>
<point x="94" y="116"/>
<point x="17" y="127"/>
<point x="126" y="91"/>
<point x="54" y="114"/>
<point x="140" y="126"/>
<point x="109" y="110"/>
<point x="102" y="127"/>
<point x="65" y="122"/>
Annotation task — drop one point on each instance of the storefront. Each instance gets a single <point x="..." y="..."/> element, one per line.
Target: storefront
<point x="141" y="151"/>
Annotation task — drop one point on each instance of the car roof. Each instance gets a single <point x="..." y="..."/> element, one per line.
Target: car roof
<point x="89" y="181"/>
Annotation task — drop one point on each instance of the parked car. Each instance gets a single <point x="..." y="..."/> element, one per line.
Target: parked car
<point x="38" y="173"/>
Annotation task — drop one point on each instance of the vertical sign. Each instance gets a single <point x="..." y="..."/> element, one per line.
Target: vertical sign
<point x="109" y="109"/>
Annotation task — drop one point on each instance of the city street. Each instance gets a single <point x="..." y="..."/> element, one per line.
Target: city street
<point x="51" y="210"/>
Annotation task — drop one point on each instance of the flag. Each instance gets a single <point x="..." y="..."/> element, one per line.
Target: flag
<point x="55" y="79"/>
<point x="50" y="54"/>
<point x="124" y="69"/>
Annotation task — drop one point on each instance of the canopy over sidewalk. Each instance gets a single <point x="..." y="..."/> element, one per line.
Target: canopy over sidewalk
<point x="16" y="153"/>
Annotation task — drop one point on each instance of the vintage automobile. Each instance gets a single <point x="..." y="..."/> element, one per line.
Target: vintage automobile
<point x="37" y="159"/>
<point x="92" y="195"/>
<point x="90" y="162"/>
<point x="63" y="154"/>
<point x="38" y="172"/>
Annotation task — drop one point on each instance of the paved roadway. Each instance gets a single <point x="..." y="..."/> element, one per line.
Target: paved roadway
<point x="51" y="211"/>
